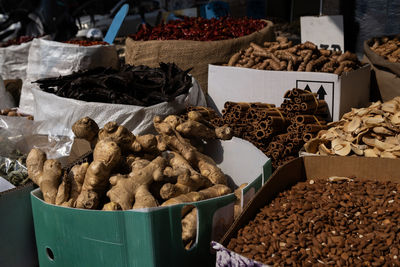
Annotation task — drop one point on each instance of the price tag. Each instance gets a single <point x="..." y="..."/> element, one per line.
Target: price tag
<point x="324" y="31"/>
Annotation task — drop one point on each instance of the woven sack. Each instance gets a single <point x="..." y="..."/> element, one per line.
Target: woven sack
<point x="192" y="54"/>
<point x="387" y="73"/>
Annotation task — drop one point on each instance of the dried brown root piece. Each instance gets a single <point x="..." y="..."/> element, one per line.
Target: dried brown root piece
<point x="46" y="173"/>
<point x="118" y="134"/>
<point x="111" y="206"/>
<point x="71" y="186"/>
<point x="134" y="187"/>
<point x="211" y="192"/>
<point x="106" y="156"/>
<point x="189" y="226"/>
<point x="63" y="191"/>
<point x="177" y="143"/>
<point x="188" y="179"/>
<point x="87" y="129"/>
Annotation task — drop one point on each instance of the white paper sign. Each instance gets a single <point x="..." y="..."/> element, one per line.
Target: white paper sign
<point x="324" y="31"/>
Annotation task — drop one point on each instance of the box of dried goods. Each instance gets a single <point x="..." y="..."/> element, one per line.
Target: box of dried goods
<point x="341" y="211"/>
<point x="16" y="224"/>
<point x="131" y="96"/>
<point x="195" y="42"/>
<point x="144" y="200"/>
<point x="371" y="132"/>
<point x="264" y="73"/>
<point x="278" y="131"/>
<point x="383" y="54"/>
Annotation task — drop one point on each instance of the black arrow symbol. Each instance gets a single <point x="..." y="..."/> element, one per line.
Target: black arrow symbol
<point x="307" y="88"/>
<point x="321" y="93"/>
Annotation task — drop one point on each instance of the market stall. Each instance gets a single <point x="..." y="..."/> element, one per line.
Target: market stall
<point x="207" y="142"/>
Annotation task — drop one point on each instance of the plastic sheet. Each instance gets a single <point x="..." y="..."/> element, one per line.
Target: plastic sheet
<point x="6" y="100"/>
<point x="20" y="134"/>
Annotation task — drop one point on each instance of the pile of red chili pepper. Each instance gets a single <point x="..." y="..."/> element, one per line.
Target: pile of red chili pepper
<point x="86" y="42"/>
<point x="17" y="41"/>
<point x="200" y="29"/>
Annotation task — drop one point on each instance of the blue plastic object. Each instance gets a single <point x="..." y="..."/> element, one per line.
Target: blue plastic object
<point x="116" y="24"/>
<point x="216" y="9"/>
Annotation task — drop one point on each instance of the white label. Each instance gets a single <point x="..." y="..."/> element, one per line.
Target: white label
<point x="324" y="89"/>
<point x="324" y="31"/>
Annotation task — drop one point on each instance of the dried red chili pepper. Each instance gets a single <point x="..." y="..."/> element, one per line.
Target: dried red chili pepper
<point x="200" y="29"/>
<point x="17" y="41"/>
<point x="86" y="42"/>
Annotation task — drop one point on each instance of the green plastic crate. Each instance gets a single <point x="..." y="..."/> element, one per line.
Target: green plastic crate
<point x="149" y="237"/>
<point x="17" y="238"/>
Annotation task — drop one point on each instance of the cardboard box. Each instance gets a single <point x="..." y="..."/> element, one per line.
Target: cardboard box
<point x="147" y="237"/>
<point x="17" y="238"/>
<point x="301" y="169"/>
<point x="249" y="85"/>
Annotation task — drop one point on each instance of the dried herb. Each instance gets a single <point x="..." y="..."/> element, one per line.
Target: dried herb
<point x="132" y="85"/>
<point x="13" y="168"/>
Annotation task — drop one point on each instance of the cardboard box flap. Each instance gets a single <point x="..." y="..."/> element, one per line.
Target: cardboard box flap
<point x="282" y="178"/>
<point x="353" y="167"/>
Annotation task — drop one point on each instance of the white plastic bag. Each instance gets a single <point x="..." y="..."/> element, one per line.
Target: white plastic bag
<point x="6" y="100"/>
<point x="14" y="60"/>
<point x="136" y="118"/>
<point x="52" y="59"/>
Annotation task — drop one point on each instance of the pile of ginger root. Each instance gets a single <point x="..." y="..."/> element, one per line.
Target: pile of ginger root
<point x="133" y="172"/>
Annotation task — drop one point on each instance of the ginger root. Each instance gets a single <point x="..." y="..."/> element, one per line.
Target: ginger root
<point x="134" y="187"/>
<point x="46" y="173"/>
<point x="117" y="133"/>
<point x="211" y="192"/>
<point x="106" y="156"/>
<point x="87" y="129"/>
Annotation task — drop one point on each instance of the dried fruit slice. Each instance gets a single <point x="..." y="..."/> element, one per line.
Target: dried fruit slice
<point x="390" y="106"/>
<point x="352" y="125"/>
<point x="358" y="149"/>
<point x="313" y="144"/>
<point x="396" y="119"/>
<point x="389" y="155"/>
<point x="341" y="147"/>
<point x="382" y="145"/>
<point x="324" y="151"/>
<point x="382" y="130"/>
<point x="373" y="121"/>
<point x="368" y="140"/>
<point x="370" y="153"/>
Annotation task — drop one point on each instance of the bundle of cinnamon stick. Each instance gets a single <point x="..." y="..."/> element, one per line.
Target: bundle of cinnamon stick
<point x="279" y="132"/>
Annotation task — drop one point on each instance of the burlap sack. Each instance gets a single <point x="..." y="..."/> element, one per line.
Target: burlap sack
<point x="387" y="73"/>
<point x="192" y="54"/>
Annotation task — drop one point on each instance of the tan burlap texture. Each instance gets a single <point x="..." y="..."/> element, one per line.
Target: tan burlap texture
<point x="192" y="54"/>
<point x="387" y="73"/>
